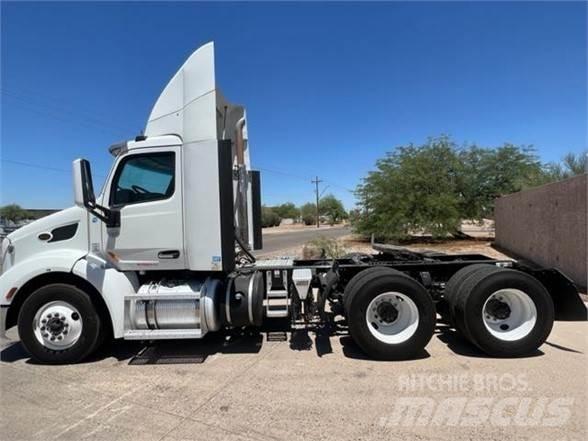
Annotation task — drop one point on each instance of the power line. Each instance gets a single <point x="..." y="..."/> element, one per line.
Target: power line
<point x="26" y="164"/>
<point x="68" y="120"/>
<point x="50" y="103"/>
<point x="278" y="172"/>
<point x="44" y="167"/>
<point x="304" y="178"/>
<point x="32" y="104"/>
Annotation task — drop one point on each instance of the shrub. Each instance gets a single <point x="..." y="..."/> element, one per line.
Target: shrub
<point x="330" y="248"/>
<point x="269" y="218"/>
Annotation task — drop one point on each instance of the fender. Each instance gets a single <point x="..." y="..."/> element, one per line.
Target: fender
<point x="59" y="260"/>
<point x="112" y="285"/>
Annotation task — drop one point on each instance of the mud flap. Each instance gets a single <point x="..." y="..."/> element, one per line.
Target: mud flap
<point x="568" y="303"/>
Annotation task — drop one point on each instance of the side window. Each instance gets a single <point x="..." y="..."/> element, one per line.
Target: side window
<point x="143" y="178"/>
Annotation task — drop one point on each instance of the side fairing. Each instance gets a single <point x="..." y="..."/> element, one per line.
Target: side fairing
<point x="192" y="107"/>
<point x="112" y="284"/>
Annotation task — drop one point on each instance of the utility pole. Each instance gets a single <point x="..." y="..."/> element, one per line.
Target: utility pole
<point x="316" y="182"/>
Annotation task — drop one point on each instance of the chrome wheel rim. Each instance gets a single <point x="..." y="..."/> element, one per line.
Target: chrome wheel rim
<point x="509" y="314"/>
<point x="392" y="317"/>
<point x="57" y="325"/>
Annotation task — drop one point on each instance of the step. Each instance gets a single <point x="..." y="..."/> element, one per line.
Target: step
<point x="276" y="313"/>
<point x="277" y="294"/>
<point x="164" y="296"/>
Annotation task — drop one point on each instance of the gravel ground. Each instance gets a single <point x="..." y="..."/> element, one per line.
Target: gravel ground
<point x="309" y="386"/>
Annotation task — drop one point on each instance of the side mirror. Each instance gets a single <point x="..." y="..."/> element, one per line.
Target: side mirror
<point x="84" y="194"/>
<point x="83" y="186"/>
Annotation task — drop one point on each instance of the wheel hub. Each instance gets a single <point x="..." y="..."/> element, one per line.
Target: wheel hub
<point x="387" y="312"/>
<point x="509" y="314"/>
<point x="498" y="309"/>
<point x="392" y="317"/>
<point x="57" y="325"/>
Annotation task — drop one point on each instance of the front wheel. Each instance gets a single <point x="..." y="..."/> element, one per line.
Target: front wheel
<point x="391" y="316"/>
<point x="59" y="324"/>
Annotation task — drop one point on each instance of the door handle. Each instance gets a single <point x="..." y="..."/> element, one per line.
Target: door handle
<point x="169" y="254"/>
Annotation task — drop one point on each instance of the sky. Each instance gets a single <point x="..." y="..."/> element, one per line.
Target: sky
<point x="329" y="87"/>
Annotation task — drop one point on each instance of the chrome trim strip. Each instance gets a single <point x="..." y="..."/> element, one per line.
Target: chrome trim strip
<point x="228" y="302"/>
<point x="250" y="297"/>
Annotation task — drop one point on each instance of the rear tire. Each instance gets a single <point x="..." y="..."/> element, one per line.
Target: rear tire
<point x="391" y="316"/>
<point x="458" y="278"/>
<point x="506" y="313"/>
<point x="355" y="280"/>
<point x="455" y="288"/>
<point x="59" y="324"/>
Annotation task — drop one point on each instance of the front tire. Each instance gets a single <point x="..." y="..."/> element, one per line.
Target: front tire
<point x="391" y="316"/>
<point x="59" y="324"/>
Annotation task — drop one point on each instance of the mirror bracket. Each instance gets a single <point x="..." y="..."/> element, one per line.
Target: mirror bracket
<point x="110" y="217"/>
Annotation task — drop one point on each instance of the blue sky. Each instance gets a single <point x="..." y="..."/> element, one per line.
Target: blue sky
<point x="329" y="87"/>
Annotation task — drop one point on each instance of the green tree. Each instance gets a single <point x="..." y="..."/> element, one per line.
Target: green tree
<point x="333" y="208"/>
<point x="269" y="218"/>
<point x="432" y="187"/>
<point x="485" y="174"/>
<point x="13" y="212"/>
<point x="572" y="164"/>
<point x="354" y="215"/>
<point x="308" y="213"/>
<point x="287" y="211"/>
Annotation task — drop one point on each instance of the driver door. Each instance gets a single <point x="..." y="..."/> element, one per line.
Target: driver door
<point x="146" y="188"/>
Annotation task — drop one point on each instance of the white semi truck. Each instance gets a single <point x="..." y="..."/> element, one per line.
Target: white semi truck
<point x="163" y="252"/>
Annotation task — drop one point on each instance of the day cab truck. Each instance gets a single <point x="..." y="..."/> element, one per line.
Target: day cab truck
<point x="164" y="252"/>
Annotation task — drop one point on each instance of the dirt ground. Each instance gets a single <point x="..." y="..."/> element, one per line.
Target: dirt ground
<point x="474" y="246"/>
<point x="353" y="244"/>
<point x="296" y="227"/>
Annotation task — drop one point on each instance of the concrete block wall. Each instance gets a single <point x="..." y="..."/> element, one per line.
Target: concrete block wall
<point x="547" y="225"/>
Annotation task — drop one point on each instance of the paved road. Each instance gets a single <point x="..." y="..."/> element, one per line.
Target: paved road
<point x="274" y="242"/>
<point x="307" y="387"/>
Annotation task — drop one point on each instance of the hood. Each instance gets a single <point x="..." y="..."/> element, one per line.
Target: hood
<point x="66" y="229"/>
<point x="48" y="223"/>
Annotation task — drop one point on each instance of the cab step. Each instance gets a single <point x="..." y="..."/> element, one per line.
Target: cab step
<point x="277" y="301"/>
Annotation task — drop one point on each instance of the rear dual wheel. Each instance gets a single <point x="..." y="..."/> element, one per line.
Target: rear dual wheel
<point x="391" y="316"/>
<point x="504" y="312"/>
